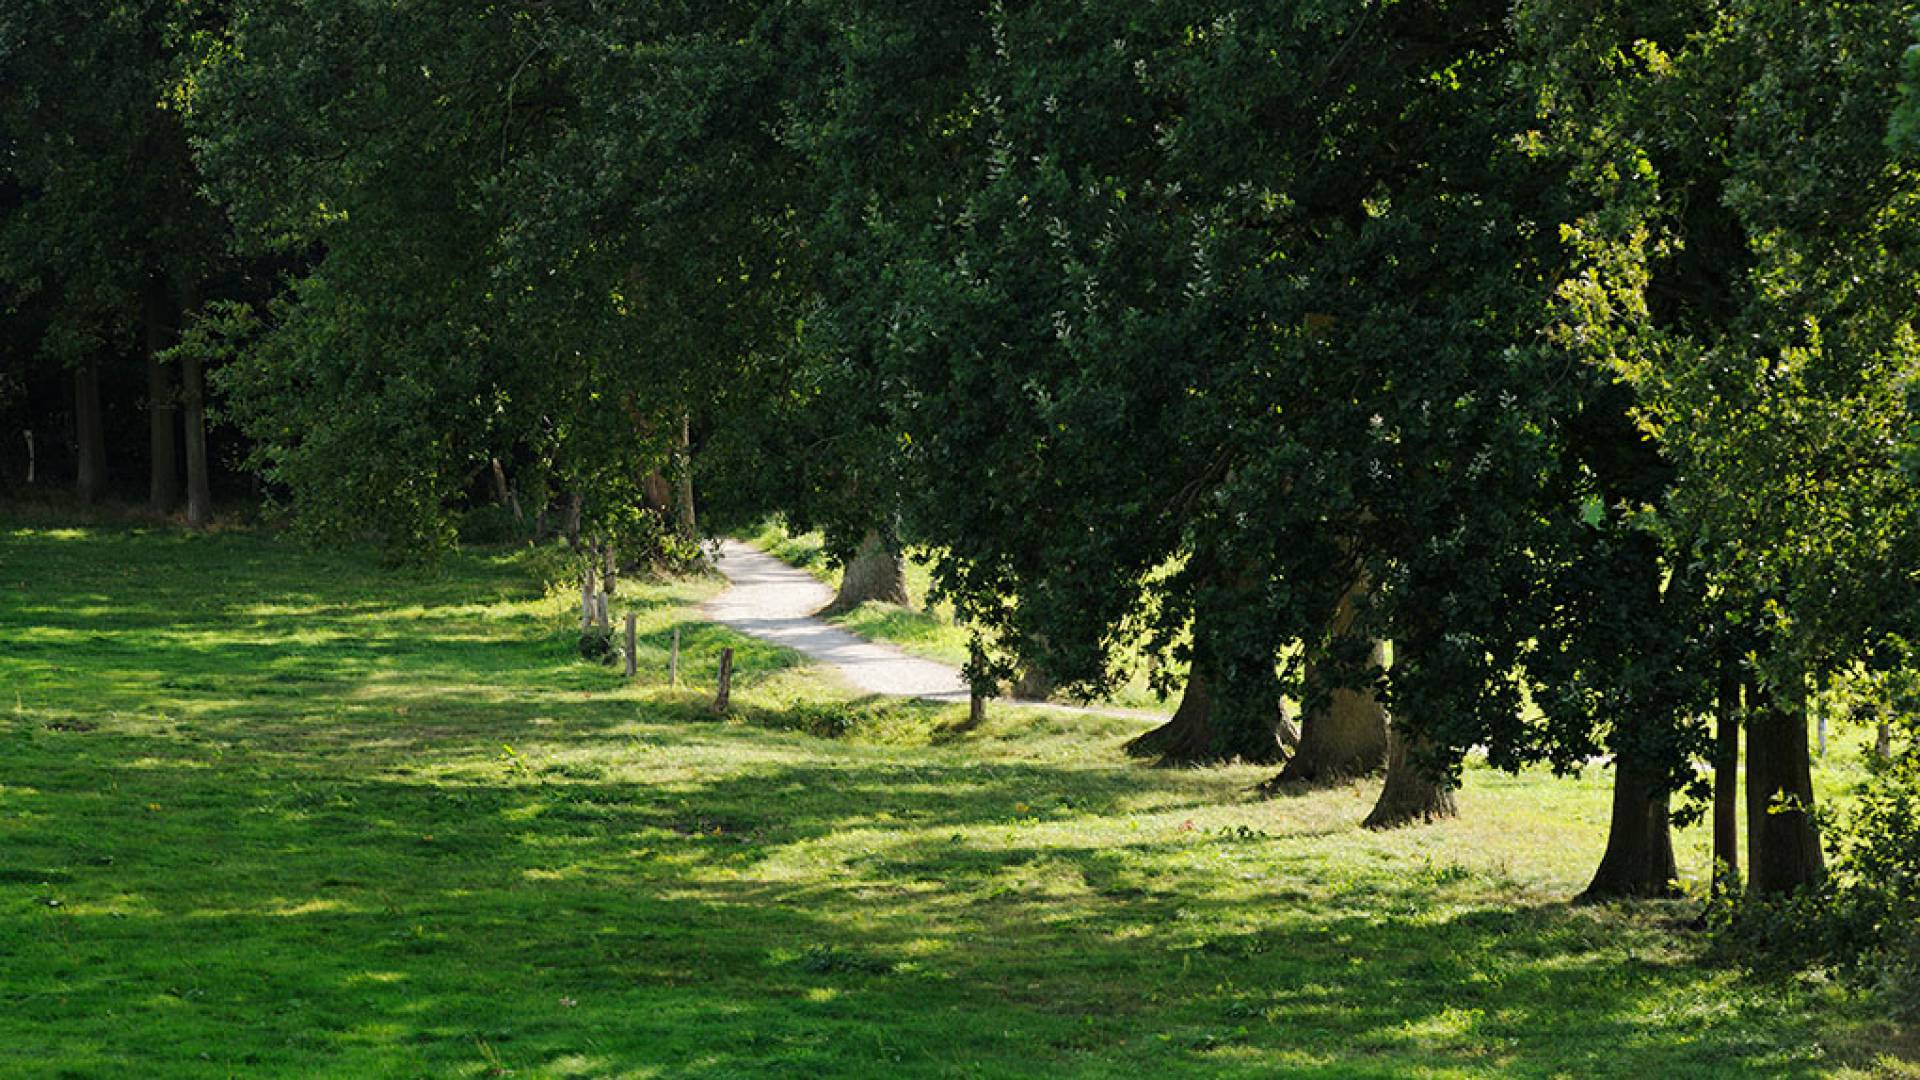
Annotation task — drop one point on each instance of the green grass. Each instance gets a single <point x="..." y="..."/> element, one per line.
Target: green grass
<point x="923" y="629"/>
<point x="267" y="811"/>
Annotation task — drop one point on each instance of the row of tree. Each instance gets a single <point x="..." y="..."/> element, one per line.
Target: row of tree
<point x="1534" y="374"/>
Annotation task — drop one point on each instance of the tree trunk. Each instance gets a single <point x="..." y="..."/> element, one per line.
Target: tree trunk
<point x="1783" y="843"/>
<point x="1410" y="793"/>
<point x="1348" y="737"/>
<point x="1726" y="783"/>
<point x="1187" y="739"/>
<point x="193" y="394"/>
<point x="90" y="435"/>
<point x="684" y="467"/>
<point x="876" y="572"/>
<point x="163" y="412"/>
<point x="502" y="491"/>
<point x="1033" y="684"/>
<point x="1193" y="736"/>
<point x="1287" y="731"/>
<point x="1639" y="858"/>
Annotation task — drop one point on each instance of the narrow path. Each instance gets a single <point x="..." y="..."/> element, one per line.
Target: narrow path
<point x="775" y="602"/>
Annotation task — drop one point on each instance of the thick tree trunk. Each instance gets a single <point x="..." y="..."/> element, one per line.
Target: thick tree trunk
<point x="1410" y="793"/>
<point x="1192" y="736"/>
<point x="1726" y="783"/>
<point x="656" y="493"/>
<point x="1348" y="737"/>
<point x="1344" y="740"/>
<point x="90" y="435"/>
<point x="1187" y="739"/>
<point x="876" y="572"/>
<point x="1639" y="858"/>
<point x="163" y="412"/>
<point x="1033" y="684"/>
<point x="1783" y="843"/>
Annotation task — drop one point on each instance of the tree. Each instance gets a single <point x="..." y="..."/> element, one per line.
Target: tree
<point x="113" y="226"/>
<point x="1747" y="278"/>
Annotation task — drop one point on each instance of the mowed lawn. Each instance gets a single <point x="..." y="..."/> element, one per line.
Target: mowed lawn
<point x="271" y="811"/>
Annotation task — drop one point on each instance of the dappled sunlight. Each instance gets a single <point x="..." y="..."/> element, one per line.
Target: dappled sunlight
<point x="482" y="840"/>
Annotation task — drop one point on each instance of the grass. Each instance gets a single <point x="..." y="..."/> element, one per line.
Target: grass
<point x="268" y="811"/>
<point x="924" y="629"/>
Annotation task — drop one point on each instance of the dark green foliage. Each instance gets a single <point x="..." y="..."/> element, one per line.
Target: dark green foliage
<point x="1864" y="921"/>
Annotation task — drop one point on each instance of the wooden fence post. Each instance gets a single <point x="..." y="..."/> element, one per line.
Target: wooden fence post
<point x="725" y="696"/>
<point x="633" y="661"/>
<point x="600" y="612"/>
<point x="673" y="662"/>
<point x="586" y="600"/>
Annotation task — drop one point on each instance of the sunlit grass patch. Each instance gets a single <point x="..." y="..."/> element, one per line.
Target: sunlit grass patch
<point x="270" y="811"/>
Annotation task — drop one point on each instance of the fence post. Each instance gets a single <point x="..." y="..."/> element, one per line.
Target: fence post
<point x="633" y="661"/>
<point x="673" y="662"/>
<point x="721" y="701"/>
<point x="586" y="600"/>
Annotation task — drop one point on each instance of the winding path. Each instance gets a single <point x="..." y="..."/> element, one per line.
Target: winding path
<point x="775" y="602"/>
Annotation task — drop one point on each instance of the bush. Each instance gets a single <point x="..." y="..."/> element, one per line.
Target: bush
<point x="597" y="644"/>
<point x="492" y="525"/>
<point x="1864" y="922"/>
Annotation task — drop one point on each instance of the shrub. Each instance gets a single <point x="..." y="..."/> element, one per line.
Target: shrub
<point x="1864" y="922"/>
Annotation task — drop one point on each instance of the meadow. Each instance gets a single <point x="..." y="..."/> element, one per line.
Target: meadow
<point x="267" y="810"/>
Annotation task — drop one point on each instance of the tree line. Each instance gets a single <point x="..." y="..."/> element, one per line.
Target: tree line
<point x="1530" y="378"/>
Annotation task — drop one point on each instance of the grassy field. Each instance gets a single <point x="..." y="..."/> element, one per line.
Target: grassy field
<point x="267" y="811"/>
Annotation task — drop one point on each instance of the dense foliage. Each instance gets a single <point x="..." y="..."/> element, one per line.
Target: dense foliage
<point x="1539" y="374"/>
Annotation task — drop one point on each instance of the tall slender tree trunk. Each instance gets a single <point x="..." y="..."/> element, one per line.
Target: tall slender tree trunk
<point x="683" y="465"/>
<point x="876" y="572"/>
<point x="90" y="434"/>
<point x="1346" y="738"/>
<point x="1783" y="843"/>
<point x="193" y="396"/>
<point x="163" y="412"/>
<point x="1639" y="858"/>
<point x="193" y="401"/>
<point x="1412" y="793"/>
<point x="1726" y="781"/>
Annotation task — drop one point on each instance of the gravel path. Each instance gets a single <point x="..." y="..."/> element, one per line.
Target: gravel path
<point x="775" y="602"/>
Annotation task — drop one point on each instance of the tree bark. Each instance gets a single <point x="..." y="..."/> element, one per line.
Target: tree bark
<point x="876" y="572"/>
<point x="1348" y="737"/>
<point x="1726" y="783"/>
<point x="90" y="435"/>
<point x="1033" y="685"/>
<point x="1783" y="843"/>
<point x="689" y="528"/>
<point x="1192" y="737"/>
<point x="1639" y="858"/>
<point x="1410" y="793"/>
<point x="163" y="411"/>
<point x="1186" y="739"/>
<point x="193" y="394"/>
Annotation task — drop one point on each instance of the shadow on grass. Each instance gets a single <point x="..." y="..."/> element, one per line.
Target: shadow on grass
<point x="379" y="826"/>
